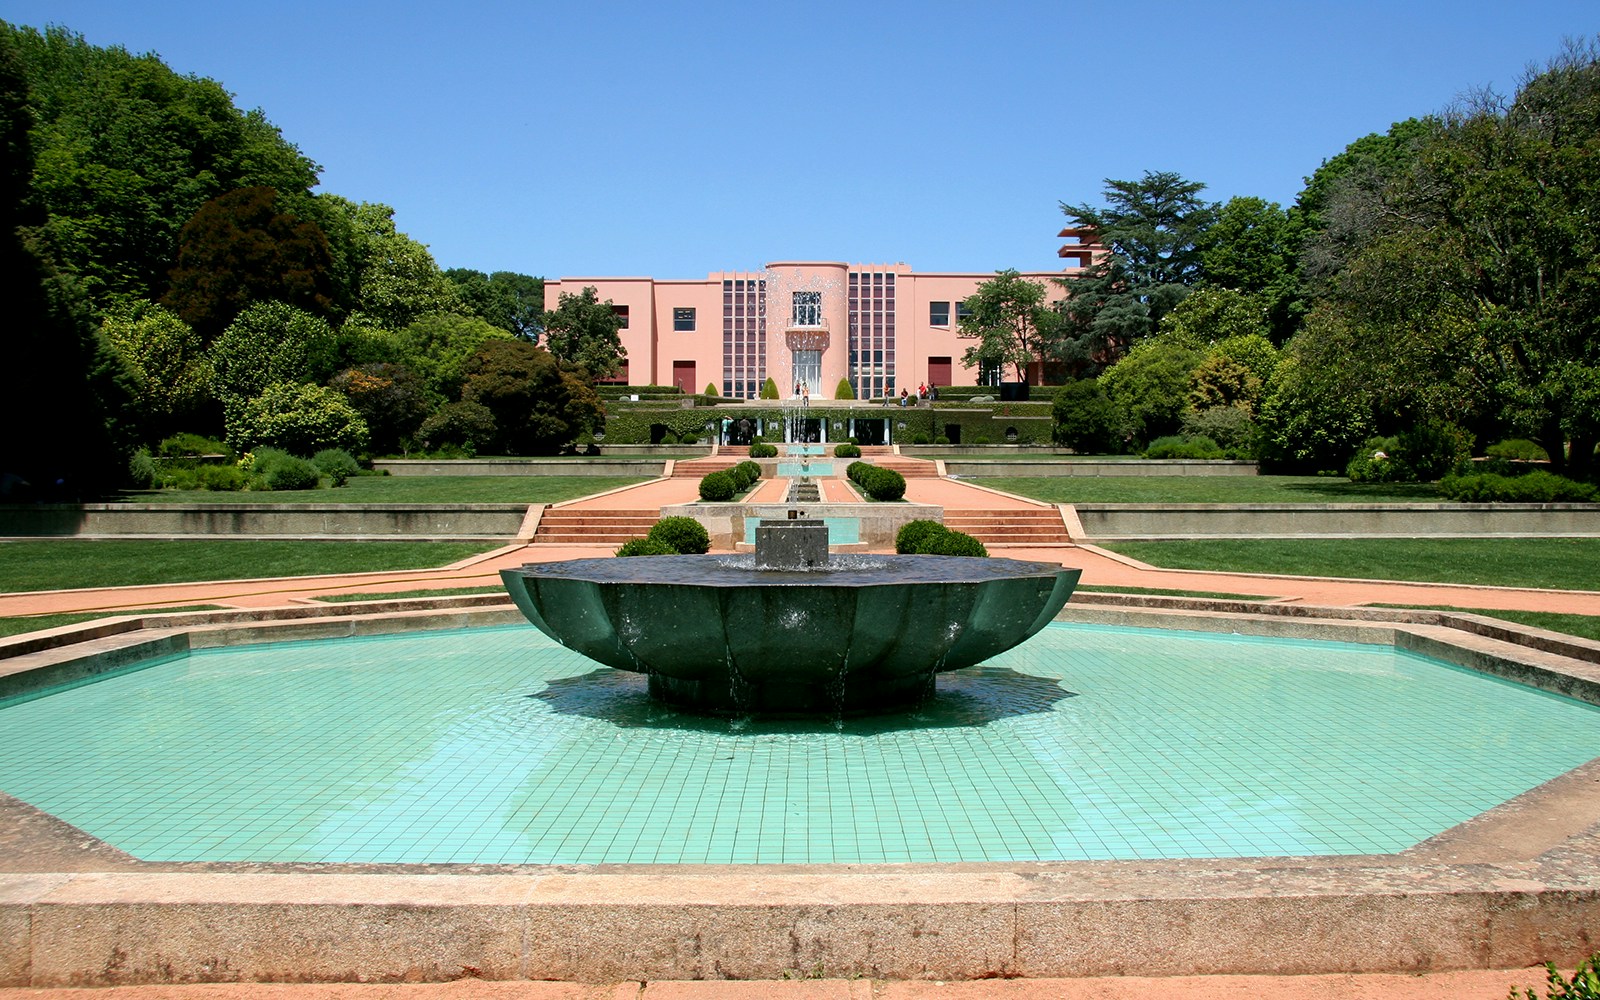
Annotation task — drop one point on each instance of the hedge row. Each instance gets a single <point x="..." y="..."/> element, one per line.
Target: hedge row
<point x="877" y="483"/>
<point x="1534" y="487"/>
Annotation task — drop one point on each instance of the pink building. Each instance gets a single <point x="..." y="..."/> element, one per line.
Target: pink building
<point x="806" y="324"/>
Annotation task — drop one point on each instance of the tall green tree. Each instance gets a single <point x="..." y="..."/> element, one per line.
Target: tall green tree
<point x="1472" y="286"/>
<point x="438" y="347"/>
<point x="1152" y="229"/>
<point x="393" y="278"/>
<point x="66" y="398"/>
<point x="509" y="300"/>
<point x="168" y="362"/>
<point x="240" y="248"/>
<point x="127" y="150"/>
<point x="1253" y="249"/>
<point x="538" y="408"/>
<point x="582" y="333"/>
<point x="1010" y="318"/>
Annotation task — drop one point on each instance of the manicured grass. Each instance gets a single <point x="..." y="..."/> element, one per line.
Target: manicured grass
<point x="410" y="489"/>
<point x="38" y="623"/>
<point x="1208" y="489"/>
<point x="1584" y="626"/>
<point x="66" y="563"/>
<point x="400" y="595"/>
<point x="1559" y="563"/>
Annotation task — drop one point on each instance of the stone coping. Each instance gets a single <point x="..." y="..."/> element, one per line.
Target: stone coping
<point x="1512" y="887"/>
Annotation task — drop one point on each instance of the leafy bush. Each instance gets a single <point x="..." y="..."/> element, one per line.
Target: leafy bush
<point x="930" y="538"/>
<point x="955" y="543"/>
<point x="275" y="469"/>
<point x="912" y="534"/>
<point x="296" y="417"/>
<point x="1433" y="448"/>
<point x="760" y="449"/>
<point x="1085" y="418"/>
<point x="1538" y="486"/>
<point x="681" y="534"/>
<point x="142" y="472"/>
<point x="1584" y="985"/>
<point x="711" y="388"/>
<point x="846" y="451"/>
<point x="220" y="478"/>
<point x="746" y="473"/>
<point x="1517" y="450"/>
<point x="844" y="390"/>
<point x="1231" y="427"/>
<point x="335" y="463"/>
<point x="878" y="483"/>
<point x="1377" y="461"/>
<point x="717" y="486"/>
<point x="465" y="425"/>
<point x="190" y="446"/>
<point x="1182" y="446"/>
<point x="645" y="547"/>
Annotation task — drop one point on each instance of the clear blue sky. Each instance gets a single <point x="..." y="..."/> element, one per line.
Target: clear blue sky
<point x="672" y="139"/>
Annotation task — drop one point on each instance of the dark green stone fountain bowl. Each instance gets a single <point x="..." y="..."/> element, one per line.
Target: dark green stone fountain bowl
<point x="865" y="635"/>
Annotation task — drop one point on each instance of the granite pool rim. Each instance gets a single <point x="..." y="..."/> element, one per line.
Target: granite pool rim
<point x="1515" y="886"/>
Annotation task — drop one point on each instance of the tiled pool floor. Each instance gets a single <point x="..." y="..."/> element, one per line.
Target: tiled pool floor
<point x="496" y="746"/>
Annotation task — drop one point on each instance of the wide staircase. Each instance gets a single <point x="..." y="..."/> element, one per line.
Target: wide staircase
<point x="694" y="468"/>
<point x="911" y="468"/>
<point x="587" y="526"/>
<point x="1017" y="526"/>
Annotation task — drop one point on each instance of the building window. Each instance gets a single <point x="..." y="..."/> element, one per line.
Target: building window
<point x="621" y="311"/>
<point x="938" y="314"/>
<point x="683" y="320"/>
<point x="963" y="311"/>
<point x="807" y="309"/>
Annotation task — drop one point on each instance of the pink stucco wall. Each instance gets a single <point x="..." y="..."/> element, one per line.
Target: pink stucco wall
<point x="654" y="347"/>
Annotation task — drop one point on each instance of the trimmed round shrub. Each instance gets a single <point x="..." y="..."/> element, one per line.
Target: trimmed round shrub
<point x="682" y="534"/>
<point x="645" y="547"/>
<point x="844" y="390"/>
<point x="954" y="543"/>
<point x="718" y="486"/>
<point x="913" y="534"/>
<point x="760" y="449"/>
<point x="751" y="470"/>
<point x="846" y="451"/>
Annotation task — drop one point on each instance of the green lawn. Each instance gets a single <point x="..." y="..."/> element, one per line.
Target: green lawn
<point x="1560" y="563"/>
<point x="1586" y="626"/>
<point x="1208" y="489"/>
<point x="65" y="563"/>
<point x="410" y="489"/>
<point x="38" y="623"/>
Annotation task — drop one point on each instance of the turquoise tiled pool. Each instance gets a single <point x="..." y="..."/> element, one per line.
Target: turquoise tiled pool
<point x="496" y="746"/>
<point x="795" y="470"/>
<point x="841" y="530"/>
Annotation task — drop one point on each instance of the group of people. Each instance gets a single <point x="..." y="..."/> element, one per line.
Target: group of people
<point x="924" y="391"/>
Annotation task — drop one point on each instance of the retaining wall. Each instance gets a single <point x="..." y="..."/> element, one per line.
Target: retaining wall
<point x="1023" y="466"/>
<point x="443" y="520"/>
<point x="880" y="522"/>
<point x="647" y="466"/>
<point x="1137" y="520"/>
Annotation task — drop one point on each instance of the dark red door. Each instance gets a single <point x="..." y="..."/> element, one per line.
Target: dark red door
<point x="938" y="371"/>
<point x="683" y="375"/>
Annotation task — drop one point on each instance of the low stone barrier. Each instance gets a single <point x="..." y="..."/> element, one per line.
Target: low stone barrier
<point x="1023" y="466"/>
<point x="1142" y="520"/>
<point x="646" y="466"/>
<point x="439" y="520"/>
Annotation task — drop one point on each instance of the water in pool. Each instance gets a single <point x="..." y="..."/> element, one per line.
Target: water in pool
<point x="495" y="746"/>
